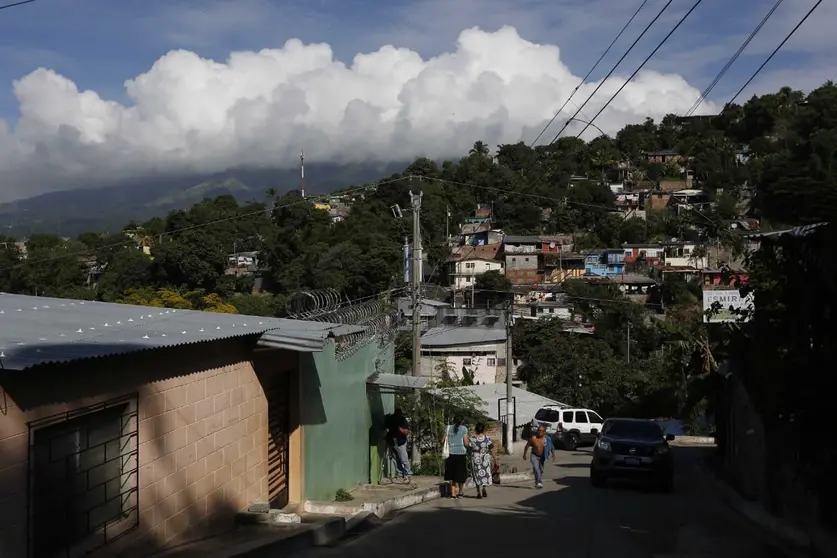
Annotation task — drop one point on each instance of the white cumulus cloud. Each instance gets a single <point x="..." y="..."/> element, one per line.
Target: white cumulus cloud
<point x="189" y="113"/>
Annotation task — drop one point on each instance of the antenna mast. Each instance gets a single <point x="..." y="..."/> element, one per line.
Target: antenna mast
<point x="302" y="173"/>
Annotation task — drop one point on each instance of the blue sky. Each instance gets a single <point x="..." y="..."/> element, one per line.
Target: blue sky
<point x="101" y="43"/>
<point x="195" y="115"/>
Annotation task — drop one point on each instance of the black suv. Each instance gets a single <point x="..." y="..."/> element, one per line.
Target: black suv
<point x="632" y="448"/>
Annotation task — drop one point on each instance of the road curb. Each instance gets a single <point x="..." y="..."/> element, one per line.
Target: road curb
<point x="816" y="543"/>
<point x="359" y="519"/>
<point x="386" y="508"/>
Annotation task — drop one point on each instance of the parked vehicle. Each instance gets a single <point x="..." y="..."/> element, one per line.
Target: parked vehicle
<point x="633" y="448"/>
<point x="569" y="428"/>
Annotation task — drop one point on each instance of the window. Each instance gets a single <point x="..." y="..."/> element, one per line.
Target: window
<point x="581" y="416"/>
<point x="568" y="416"/>
<point x="491" y="362"/>
<point x="502" y="362"/>
<point x="547" y="415"/>
<point x="466" y="362"/>
<point x="83" y="479"/>
<point x="594" y="417"/>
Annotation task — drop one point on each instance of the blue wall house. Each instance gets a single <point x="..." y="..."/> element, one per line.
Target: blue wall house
<point x="605" y="263"/>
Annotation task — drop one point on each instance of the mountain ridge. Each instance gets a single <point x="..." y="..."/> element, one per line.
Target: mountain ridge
<point x="110" y="208"/>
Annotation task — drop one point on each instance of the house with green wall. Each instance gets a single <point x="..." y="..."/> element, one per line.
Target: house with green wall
<point x="341" y="418"/>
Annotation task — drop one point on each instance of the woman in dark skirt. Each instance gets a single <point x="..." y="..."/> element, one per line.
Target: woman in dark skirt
<point x="456" y="471"/>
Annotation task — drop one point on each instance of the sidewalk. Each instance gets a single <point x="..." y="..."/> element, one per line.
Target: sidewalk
<point x="319" y="523"/>
<point x="385" y="499"/>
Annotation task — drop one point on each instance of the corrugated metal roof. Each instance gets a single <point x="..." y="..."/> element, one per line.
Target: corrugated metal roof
<point x="526" y="402"/>
<point x="446" y="336"/>
<point x="512" y="239"/>
<point x="37" y="330"/>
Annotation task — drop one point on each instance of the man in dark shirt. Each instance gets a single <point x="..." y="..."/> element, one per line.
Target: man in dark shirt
<point x="397" y="430"/>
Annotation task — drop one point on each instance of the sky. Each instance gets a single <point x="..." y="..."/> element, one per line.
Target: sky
<point x="95" y="91"/>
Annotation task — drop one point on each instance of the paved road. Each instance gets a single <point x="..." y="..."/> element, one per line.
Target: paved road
<point x="571" y="519"/>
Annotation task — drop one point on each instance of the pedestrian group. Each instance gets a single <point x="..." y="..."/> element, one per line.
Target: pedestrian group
<point x="457" y="444"/>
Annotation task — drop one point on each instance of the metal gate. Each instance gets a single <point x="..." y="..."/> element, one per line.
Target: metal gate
<point x="276" y="385"/>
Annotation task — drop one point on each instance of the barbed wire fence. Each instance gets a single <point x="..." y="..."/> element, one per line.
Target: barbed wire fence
<point x="377" y="314"/>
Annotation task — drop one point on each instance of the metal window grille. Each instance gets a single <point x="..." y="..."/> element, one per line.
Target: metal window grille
<point x="83" y="486"/>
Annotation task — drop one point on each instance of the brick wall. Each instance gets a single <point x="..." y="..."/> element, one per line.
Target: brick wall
<point x="202" y="436"/>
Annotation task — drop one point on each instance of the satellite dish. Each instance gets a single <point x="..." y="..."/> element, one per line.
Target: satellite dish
<point x="552" y="245"/>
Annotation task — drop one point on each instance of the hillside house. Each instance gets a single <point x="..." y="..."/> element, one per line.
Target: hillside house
<point x="523" y="259"/>
<point x="561" y="266"/>
<point x="723" y="279"/>
<point x="428" y="312"/>
<point x="664" y="156"/>
<point x="479" y="234"/>
<point x="643" y="253"/>
<point x="467" y="338"/>
<point x="464" y="272"/>
<point x="605" y="263"/>
<point x="127" y="429"/>
<point x="685" y="254"/>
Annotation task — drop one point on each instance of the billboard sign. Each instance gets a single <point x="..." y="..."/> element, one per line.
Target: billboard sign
<point x="726" y="305"/>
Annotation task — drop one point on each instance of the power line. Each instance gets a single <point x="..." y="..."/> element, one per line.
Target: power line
<point x="772" y="54"/>
<point x="641" y="35"/>
<point x="644" y="62"/>
<point x="732" y="60"/>
<point x="15" y="4"/>
<point x="584" y="80"/>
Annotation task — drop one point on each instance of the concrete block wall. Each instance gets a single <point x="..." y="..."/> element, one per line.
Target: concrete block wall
<point x="203" y="450"/>
<point x="202" y="436"/>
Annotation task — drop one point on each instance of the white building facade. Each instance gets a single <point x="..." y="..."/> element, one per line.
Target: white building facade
<point x="465" y="272"/>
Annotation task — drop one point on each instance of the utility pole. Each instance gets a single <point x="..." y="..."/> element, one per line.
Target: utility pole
<point x="415" y="202"/>
<point x="509" y="400"/>
<point x="629" y="342"/>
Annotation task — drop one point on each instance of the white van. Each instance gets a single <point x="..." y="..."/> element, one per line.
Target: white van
<point x="569" y="427"/>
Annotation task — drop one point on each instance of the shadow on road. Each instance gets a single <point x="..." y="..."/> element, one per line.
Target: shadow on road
<point x="589" y="522"/>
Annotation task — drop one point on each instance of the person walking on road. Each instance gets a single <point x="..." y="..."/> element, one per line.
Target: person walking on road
<point x="481" y="446"/>
<point x="456" y="440"/>
<point x="541" y="450"/>
<point x="397" y="430"/>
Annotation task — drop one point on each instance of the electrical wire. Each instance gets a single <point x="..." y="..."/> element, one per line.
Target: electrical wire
<point x="584" y="79"/>
<point x="732" y="60"/>
<point x="644" y="62"/>
<point x="15" y="4"/>
<point x="772" y="54"/>
<point x="613" y="69"/>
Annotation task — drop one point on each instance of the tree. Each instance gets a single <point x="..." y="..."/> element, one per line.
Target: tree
<point x="491" y="288"/>
<point x="192" y="259"/>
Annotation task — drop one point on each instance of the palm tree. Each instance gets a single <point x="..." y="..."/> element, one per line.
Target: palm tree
<point x="480" y="149"/>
